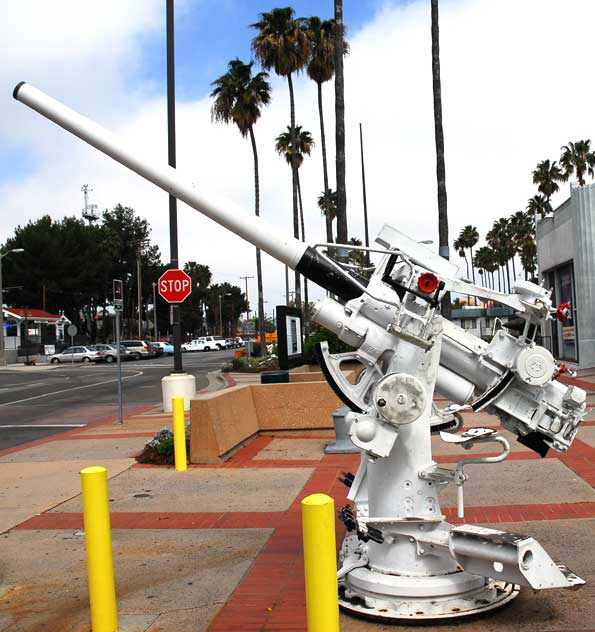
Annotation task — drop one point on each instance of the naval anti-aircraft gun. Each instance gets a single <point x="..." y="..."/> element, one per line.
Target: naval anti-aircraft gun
<point x="400" y="559"/>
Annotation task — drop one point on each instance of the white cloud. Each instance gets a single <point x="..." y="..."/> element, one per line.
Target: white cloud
<point x="512" y="95"/>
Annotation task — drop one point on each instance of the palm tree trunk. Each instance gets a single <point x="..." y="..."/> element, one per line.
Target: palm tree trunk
<point x="296" y="224"/>
<point x="342" y="232"/>
<point x="472" y="268"/>
<point x="329" y="221"/>
<point x="499" y="281"/>
<point x="258" y="261"/>
<point x="439" y="139"/>
<point x="305" y="313"/>
<point x="513" y="271"/>
<point x="508" y="275"/>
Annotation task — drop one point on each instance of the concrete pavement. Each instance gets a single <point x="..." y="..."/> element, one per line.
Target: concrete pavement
<point x="218" y="548"/>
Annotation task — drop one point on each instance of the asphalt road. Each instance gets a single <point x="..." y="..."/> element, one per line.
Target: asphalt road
<point x="43" y="401"/>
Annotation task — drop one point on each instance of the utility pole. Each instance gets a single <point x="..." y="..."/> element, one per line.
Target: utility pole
<point x="139" y="297"/>
<point x="171" y="157"/>
<point x="220" y="317"/>
<point x="247" y="302"/>
<point x="154" y="312"/>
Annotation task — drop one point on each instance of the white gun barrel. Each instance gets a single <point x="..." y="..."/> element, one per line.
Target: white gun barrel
<point x="296" y="254"/>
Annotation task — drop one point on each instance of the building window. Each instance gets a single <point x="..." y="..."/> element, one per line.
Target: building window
<point x="470" y="323"/>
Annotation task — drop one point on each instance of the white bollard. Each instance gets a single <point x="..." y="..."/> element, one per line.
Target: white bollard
<point x="178" y="385"/>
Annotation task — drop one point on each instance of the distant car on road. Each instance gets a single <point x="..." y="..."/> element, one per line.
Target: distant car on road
<point x="111" y="352"/>
<point x="194" y="345"/>
<point x="165" y="347"/>
<point x="139" y="349"/>
<point x="78" y="354"/>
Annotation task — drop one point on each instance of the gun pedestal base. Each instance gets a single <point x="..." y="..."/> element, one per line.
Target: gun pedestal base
<point x="392" y="606"/>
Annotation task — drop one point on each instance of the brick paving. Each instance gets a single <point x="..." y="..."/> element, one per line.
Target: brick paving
<point x="270" y="595"/>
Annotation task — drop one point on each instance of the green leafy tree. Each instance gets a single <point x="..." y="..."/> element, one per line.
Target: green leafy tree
<point x="233" y="305"/>
<point x="578" y="159"/>
<point x="239" y="97"/>
<point x="282" y="44"/>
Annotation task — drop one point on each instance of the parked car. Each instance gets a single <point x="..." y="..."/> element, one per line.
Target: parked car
<point x="78" y="354"/>
<point x="156" y="348"/>
<point x="111" y="352"/>
<point x="213" y="342"/>
<point x="166" y="347"/>
<point x="195" y="345"/>
<point x="139" y="349"/>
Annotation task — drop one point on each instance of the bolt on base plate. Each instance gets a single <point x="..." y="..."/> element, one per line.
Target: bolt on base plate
<point x="494" y="594"/>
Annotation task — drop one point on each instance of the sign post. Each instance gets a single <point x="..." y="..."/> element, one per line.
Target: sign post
<point x="118" y="307"/>
<point x="72" y="331"/>
<point x="174" y="286"/>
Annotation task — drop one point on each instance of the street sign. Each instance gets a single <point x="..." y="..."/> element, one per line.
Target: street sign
<point x="118" y="295"/>
<point x="175" y="286"/>
<point x="71" y="330"/>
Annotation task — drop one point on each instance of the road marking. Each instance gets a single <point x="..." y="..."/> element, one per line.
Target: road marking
<point x="46" y="426"/>
<point x="67" y="390"/>
<point x="20" y="387"/>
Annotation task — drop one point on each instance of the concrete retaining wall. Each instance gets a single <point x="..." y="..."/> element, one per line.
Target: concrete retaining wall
<point x="224" y="420"/>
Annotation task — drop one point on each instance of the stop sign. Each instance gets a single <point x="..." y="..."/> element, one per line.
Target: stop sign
<point x="175" y="286"/>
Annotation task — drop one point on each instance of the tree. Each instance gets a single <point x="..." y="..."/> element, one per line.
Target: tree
<point x="439" y="139"/>
<point x="194" y="306"/>
<point x="577" y="158"/>
<point x="342" y="231"/>
<point x="499" y="239"/>
<point x="459" y="246"/>
<point x="304" y="144"/>
<point x="327" y="203"/>
<point x="233" y="304"/>
<point x="239" y="98"/>
<point x="469" y="238"/>
<point x="538" y="205"/>
<point x="282" y="44"/>
<point x="321" y="68"/>
<point x="484" y="260"/>
<point x="546" y="176"/>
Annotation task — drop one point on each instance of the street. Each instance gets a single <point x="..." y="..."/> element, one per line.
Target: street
<point x="43" y="401"/>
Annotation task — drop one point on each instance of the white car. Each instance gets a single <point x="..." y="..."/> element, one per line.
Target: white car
<point x="194" y="345"/>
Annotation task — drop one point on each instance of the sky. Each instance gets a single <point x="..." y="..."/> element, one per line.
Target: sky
<point x="515" y="88"/>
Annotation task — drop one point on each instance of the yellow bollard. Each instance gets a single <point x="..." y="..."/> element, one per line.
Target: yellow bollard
<point x="177" y="406"/>
<point x="320" y="563"/>
<point x="98" y="541"/>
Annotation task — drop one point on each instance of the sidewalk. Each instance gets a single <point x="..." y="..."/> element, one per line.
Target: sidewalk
<point x="219" y="547"/>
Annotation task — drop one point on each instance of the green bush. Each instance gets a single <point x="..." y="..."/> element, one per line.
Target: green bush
<point x="335" y="345"/>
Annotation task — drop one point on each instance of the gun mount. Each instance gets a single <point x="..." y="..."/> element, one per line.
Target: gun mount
<point x="401" y="559"/>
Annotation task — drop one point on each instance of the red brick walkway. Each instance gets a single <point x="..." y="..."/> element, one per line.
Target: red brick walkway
<point x="271" y="594"/>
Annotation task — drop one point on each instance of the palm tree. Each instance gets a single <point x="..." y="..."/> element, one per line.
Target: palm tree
<point x="342" y="231"/>
<point x="282" y="44"/>
<point x="578" y="158"/>
<point x="484" y="260"/>
<point x="238" y="98"/>
<point x="469" y="238"/>
<point x="546" y="176"/>
<point x="499" y="239"/>
<point x="439" y="139"/>
<point x="321" y="68"/>
<point x="538" y="205"/>
<point x="439" y="133"/>
<point x="303" y="146"/>
<point x="459" y="246"/>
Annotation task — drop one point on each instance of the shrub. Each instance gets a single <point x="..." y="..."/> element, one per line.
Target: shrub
<point x="335" y="345"/>
<point x="160" y="449"/>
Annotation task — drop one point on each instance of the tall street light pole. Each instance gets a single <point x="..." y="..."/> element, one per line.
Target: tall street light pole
<point x="245" y="278"/>
<point x="171" y="155"/>
<point x="154" y="312"/>
<point x="2" y="341"/>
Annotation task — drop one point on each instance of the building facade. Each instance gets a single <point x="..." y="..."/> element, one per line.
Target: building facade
<point x="566" y="264"/>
